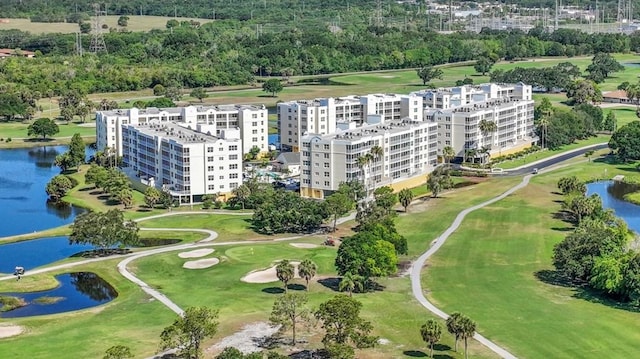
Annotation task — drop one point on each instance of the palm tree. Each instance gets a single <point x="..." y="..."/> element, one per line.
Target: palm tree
<point x="307" y="270"/>
<point x="486" y="127"/>
<point x="431" y="331"/>
<point x="405" y="196"/>
<point x="454" y="327"/>
<point x="484" y="152"/>
<point x="363" y="162"/>
<point x="633" y="94"/>
<point x="543" y="123"/>
<point x="467" y="330"/>
<point x="285" y="272"/>
<point x="448" y="153"/>
<point x="470" y="153"/>
<point x="350" y="282"/>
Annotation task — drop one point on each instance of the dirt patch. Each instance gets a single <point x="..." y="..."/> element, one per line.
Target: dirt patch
<point x="248" y="339"/>
<point x="196" y="253"/>
<point x="10" y="330"/>
<point x="304" y="245"/>
<point x="267" y="275"/>
<point x="201" y="263"/>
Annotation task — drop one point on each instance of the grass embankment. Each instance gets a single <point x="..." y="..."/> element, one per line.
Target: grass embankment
<point x="500" y="255"/>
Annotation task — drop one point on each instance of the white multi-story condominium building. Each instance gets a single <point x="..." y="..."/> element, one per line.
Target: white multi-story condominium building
<point x="452" y="97"/>
<point x="324" y="116"/>
<point x="461" y="127"/>
<point x="409" y="152"/>
<point x="252" y="122"/>
<point x="185" y="162"/>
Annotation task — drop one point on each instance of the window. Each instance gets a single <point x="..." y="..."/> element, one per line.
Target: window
<point x="221" y="168"/>
<point x="326" y="147"/>
<point x="211" y="187"/>
<point x="233" y="185"/>
<point x="326" y="183"/>
<point x="210" y="159"/>
<point x="326" y="155"/>
<point x="233" y="166"/>
<point x="221" y="186"/>
<point x="210" y="168"/>
<point x="211" y="178"/>
<point x="221" y="177"/>
<point x="326" y="165"/>
<point x="233" y="148"/>
<point x="326" y="174"/>
<point x="233" y="157"/>
<point x="209" y="149"/>
<point x="233" y="176"/>
<point x="220" y="158"/>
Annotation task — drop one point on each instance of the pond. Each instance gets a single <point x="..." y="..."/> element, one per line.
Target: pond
<point x="38" y="252"/>
<point x="76" y="291"/>
<point x="24" y="173"/>
<point x="612" y="193"/>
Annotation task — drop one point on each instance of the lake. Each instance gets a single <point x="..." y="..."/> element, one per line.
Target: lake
<point x="76" y="291"/>
<point x="24" y="173"/>
<point x="38" y="252"/>
<point x="612" y="193"/>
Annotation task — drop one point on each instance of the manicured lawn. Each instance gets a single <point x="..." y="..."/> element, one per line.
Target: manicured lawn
<point x="488" y="270"/>
<point x="242" y="303"/>
<point x="229" y="227"/>
<point x="19" y="130"/>
<point x="624" y="115"/>
<point x="533" y="157"/>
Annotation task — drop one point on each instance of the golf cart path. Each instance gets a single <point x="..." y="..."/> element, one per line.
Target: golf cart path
<point x="416" y="267"/>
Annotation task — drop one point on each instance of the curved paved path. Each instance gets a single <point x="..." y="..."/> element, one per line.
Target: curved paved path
<point x="416" y="267"/>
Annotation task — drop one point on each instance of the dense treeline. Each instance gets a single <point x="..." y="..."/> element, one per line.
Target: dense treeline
<point x="597" y="252"/>
<point x="229" y="52"/>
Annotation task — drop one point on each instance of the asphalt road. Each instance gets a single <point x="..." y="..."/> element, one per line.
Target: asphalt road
<point x="552" y="161"/>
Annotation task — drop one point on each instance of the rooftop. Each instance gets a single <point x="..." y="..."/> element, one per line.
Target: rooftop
<point x="389" y="127"/>
<point x="178" y="110"/>
<point x="175" y="132"/>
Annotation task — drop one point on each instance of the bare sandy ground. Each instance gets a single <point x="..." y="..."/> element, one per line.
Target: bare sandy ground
<point x="304" y="245"/>
<point x="10" y="330"/>
<point x="267" y="275"/>
<point x="196" y="253"/>
<point x="201" y="263"/>
<point x="247" y="340"/>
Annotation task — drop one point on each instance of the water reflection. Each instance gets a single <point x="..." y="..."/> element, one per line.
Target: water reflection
<point x="38" y="252"/>
<point x="612" y="194"/>
<point x="76" y="291"/>
<point x="24" y="173"/>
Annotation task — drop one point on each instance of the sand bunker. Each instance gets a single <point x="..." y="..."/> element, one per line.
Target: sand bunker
<point x="249" y="339"/>
<point x="201" y="263"/>
<point x="268" y="275"/>
<point x="196" y="253"/>
<point x="10" y="330"/>
<point x="304" y="245"/>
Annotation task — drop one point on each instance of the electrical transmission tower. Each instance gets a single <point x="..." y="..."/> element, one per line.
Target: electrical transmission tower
<point x="97" y="40"/>
<point x="79" y="49"/>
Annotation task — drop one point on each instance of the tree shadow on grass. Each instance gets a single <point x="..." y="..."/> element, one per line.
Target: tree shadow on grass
<point x="332" y="283"/>
<point x="415" y="353"/>
<point x="563" y="229"/>
<point x="441" y="347"/>
<point x="582" y="291"/>
<point x="273" y="290"/>
<point x="296" y="287"/>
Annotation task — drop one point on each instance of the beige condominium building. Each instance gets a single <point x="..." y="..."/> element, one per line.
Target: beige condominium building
<point x="409" y="153"/>
<point x="326" y="115"/>
<point x="250" y="121"/>
<point x="184" y="162"/>
<point x="461" y="111"/>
